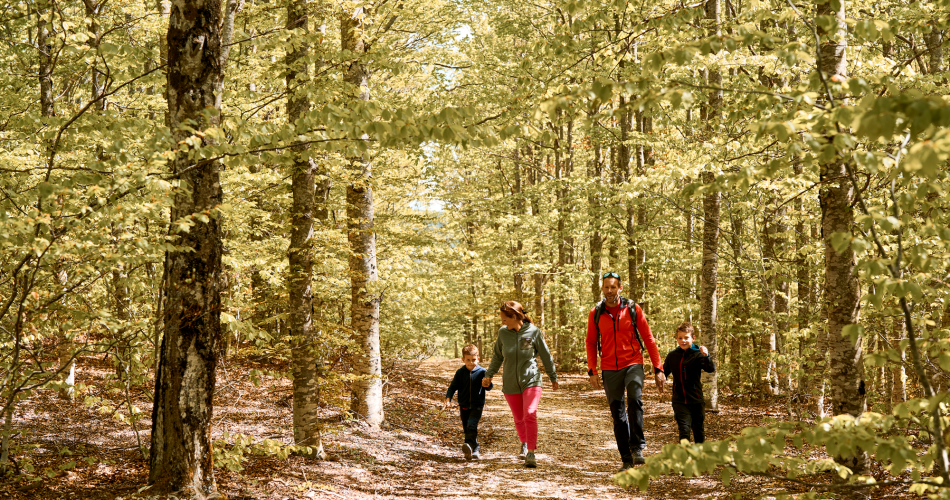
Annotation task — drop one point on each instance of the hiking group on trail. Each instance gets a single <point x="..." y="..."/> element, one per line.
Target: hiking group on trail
<point x="617" y="334"/>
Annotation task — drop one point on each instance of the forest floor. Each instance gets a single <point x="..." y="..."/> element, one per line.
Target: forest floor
<point x="79" y="451"/>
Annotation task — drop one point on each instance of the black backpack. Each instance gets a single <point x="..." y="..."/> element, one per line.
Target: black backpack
<point x="601" y="308"/>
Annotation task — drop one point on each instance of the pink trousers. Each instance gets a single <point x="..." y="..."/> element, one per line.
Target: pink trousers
<point x="524" y="407"/>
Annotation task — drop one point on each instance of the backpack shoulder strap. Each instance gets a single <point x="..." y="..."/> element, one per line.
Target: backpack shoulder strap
<point x="598" y="310"/>
<point x="633" y="313"/>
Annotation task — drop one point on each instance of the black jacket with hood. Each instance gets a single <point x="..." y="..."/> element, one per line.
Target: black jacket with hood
<point x="686" y="367"/>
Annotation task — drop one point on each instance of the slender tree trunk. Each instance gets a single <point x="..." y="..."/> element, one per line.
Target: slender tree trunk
<point x="364" y="300"/>
<point x="805" y="297"/>
<point x="898" y="389"/>
<point x="539" y="300"/>
<point x="690" y="289"/>
<point x="639" y="281"/>
<point x="743" y="308"/>
<point x="520" y="208"/>
<point x="769" y="339"/>
<point x="935" y="46"/>
<point x="181" y="452"/>
<point x="45" y="70"/>
<point x="709" y="299"/>
<point x="709" y="304"/>
<point x="564" y="165"/>
<point x="595" y="173"/>
<point x="306" y="361"/>
<point x="842" y="295"/>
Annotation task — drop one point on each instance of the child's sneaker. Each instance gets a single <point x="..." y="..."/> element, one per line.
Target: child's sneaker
<point x="467" y="451"/>
<point x="475" y="454"/>
<point x="524" y="451"/>
<point x="529" y="460"/>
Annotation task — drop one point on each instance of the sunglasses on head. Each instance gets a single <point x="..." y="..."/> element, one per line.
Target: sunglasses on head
<point x="610" y="275"/>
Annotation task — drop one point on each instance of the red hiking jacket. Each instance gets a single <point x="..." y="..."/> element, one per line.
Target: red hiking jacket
<point x="618" y="346"/>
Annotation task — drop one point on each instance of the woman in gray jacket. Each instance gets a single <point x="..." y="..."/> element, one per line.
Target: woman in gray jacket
<point x="517" y="347"/>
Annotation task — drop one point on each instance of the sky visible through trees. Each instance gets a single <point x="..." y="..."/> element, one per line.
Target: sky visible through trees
<point x="340" y="187"/>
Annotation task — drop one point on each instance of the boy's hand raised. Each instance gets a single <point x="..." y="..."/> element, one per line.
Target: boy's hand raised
<point x="703" y="350"/>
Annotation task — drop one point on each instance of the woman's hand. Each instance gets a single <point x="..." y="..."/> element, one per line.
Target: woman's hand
<point x="486" y="382"/>
<point x="554" y="385"/>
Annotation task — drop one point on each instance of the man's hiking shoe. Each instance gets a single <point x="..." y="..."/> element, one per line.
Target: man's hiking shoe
<point x="638" y="457"/>
<point x="467" y="450"/>
<point x="475" y="454"/>
<point x="524" y="451"/>
<point x="529" y="460"/>
<point x="625" y="466"/>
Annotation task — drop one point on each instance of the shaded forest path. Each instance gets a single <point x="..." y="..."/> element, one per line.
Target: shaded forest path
<point x="577" y="453"/>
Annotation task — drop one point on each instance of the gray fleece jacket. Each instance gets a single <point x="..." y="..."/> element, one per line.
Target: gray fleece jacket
<point x="518" y="352"/>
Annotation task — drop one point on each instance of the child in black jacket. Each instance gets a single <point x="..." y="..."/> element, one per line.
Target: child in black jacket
<point x="468" y="383"/>
<point x="685" y="364"/>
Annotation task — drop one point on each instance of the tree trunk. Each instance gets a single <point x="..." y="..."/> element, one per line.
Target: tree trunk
<point x="539" y="300"/>
<point x="805" y="297"/>
<point x="181" y="454"/>
<point x="639" y="281"/>
<point x="842" y="296"/>
<point x="898" y="389"/>
<point x="768" y="342"/>
<point x="364" y="300"/>
<point x="306" y="360"/>
<point x="743" y="308"/>
<point x="935" y="46"/>
<point x="520" y="209"/>
<point x="708" y="303"/>
<point x="595" y="173"/>
<point x="690" y="289"/>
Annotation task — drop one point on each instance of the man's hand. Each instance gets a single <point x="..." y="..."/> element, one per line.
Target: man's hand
<point x="486" y="382"/>
<point x="595" y="381"/>
<point x="554" y="385"/>
<point x="660" y="380"/>
<point x="703" y="350"/>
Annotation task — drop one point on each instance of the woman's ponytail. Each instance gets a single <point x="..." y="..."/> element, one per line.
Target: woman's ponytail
<point x="514" y="309"/>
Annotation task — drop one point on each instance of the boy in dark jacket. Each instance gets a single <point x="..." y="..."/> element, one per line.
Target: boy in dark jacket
<point x="685" y="364"/>
<point x="468" y="383"/>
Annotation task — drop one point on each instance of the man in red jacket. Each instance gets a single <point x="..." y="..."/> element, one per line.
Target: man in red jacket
<point x="618" y="333"/>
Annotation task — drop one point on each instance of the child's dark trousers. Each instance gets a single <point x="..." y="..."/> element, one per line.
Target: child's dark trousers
<point x="470" y="418"/>
<point x="690" y="415"/>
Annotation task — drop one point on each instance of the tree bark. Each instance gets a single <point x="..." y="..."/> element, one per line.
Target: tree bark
<point x="842" y="295"/>
<point x="742" y="306"/>
<point x="935" y="46"/>
<point x="898" y="389"/>
<point x="595" y="174"/>
<point x="709" y="305"/>
<point x="521" y="210"/>
<point x="367" y="400"/>
<point x="181" y="450"/>
<point x="709" y="300"/>
<point x="306" y="360"/>
<point x="805" y="297"/>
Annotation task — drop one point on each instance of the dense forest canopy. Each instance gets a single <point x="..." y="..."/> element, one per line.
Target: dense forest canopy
<point x="338" y="186"/>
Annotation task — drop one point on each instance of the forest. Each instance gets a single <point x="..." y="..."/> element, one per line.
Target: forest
<point x="244" y="242"/>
